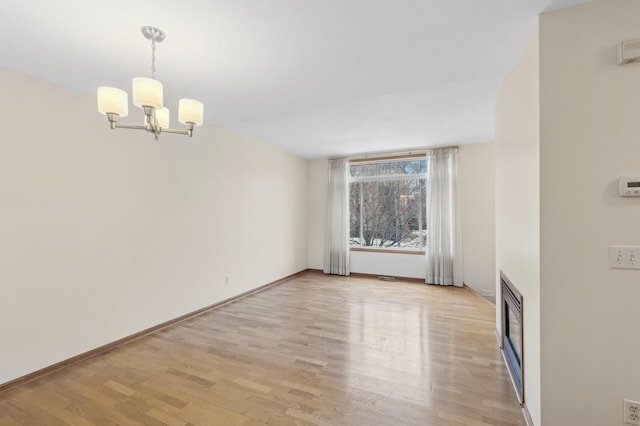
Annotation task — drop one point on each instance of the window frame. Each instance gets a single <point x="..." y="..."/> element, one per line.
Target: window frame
<point x="388" y="159"/>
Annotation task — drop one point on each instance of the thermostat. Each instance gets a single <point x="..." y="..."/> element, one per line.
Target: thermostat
<point x="629" y="186"/>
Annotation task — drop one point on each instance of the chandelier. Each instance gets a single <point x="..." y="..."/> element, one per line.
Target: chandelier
<point x="147" y="94"/>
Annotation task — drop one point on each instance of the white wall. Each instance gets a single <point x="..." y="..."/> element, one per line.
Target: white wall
<point x="566" y="128"/>
<point x="517" y="208"/>
<point x="476" y="168"/>
<point x="389" y="264"/>
<point x="590" y="135"/>
<point x="104" y="233"/>
<point x="476" y="174"/>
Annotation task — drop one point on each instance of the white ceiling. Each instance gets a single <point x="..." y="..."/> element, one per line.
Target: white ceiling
<point x="317" y="78"/>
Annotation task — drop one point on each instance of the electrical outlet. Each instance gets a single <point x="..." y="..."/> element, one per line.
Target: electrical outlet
<point x="631" y="412"/>
<point x="227" y="279"/>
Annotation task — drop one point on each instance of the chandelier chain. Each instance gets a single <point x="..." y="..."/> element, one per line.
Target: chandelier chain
<point x="153" y="58"/>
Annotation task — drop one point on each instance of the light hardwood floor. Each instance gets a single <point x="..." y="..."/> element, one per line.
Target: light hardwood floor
<point x="315" y="350"/>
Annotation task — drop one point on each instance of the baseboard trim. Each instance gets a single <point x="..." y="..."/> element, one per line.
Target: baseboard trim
<point x="128" y="339"/>
<point x="479" y="295"/>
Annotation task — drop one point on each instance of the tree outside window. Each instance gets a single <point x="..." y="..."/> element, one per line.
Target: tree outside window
<point x="388" y="204"/>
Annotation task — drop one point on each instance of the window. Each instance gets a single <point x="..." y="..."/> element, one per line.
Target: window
<point x="388" y="204"/>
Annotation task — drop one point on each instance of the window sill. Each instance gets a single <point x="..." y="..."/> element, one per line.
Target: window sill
<point x="383" y="250"/>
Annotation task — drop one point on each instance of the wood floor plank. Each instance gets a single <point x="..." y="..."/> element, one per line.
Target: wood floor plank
<point x="315" y="350"/>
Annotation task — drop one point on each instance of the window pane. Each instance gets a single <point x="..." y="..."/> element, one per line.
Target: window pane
<point x="389" y="168"/>
<point x="388" y="214"/>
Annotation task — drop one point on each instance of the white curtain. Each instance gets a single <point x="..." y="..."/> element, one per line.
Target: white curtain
<point x="336" y="253"/>
<point x="444" y="244"/>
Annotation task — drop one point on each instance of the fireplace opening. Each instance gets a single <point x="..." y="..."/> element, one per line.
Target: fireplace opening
<point x="512" y="336"/>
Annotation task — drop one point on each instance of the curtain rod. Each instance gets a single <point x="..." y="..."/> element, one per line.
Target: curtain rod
<point x="381" y="155"/>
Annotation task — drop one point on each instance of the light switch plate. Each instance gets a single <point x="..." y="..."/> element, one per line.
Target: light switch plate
<point x="624" y="257"/>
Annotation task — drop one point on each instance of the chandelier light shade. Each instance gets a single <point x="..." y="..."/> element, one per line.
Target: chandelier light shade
<point x="147" y="93"/>
<point x="190" y="111"/>
<point x="114" y="101"/>
<point x="162" y="115"/>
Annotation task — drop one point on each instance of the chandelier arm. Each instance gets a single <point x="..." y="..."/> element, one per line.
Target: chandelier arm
<point x="155" y="131"/>
<point x="188" y="132"/>
<point x="129" y="126"/>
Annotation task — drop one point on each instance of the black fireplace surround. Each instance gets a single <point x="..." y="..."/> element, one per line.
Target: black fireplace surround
<point x="512" y="333"/>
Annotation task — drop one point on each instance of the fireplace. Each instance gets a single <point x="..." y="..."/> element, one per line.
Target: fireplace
<point x="512" y="336"/>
